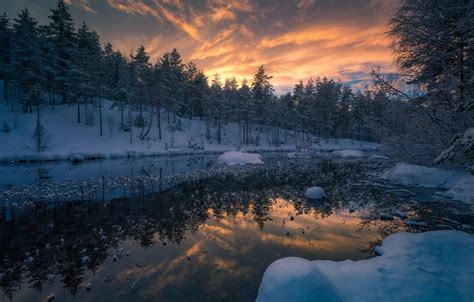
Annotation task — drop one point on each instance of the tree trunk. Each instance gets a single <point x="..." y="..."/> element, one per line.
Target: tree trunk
<point x="219" y="132"/>
<point x="158" y="122"/>
<point x="5" y="90"/>
<point x="121" y="115"/>
<point x="78" y="112"/>
<point x="100" y="116"/>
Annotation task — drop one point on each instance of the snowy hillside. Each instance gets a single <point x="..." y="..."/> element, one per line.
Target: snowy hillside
<point x="67" y="139"/>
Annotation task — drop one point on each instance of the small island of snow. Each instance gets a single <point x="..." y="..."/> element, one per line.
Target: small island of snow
<point x="348" y="153"/>
<point x="233" y="158"/>
<point x="315" y="193"/>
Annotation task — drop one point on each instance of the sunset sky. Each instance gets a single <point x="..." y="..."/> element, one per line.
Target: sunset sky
<point x="343" y="39"/>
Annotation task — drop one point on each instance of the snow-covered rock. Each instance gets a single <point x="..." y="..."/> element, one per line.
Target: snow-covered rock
<point x="460" y="186"/>
<point x="431" y="266"/>
<point x="462" y="189"/>
<point x="348" y="153"/>
<point x="400" y="214"/>
<point x="420" y="176"/>
<point x="385" y="216"/>
<point x="378" y="158"/>
<point x="296" y="155"/>
<point x="77" y="158"/>
<point x="315" y="193"/>
<point x="233" y="158"/>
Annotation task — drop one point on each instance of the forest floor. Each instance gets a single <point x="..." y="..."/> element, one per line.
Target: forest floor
<point x="65" y="138"/>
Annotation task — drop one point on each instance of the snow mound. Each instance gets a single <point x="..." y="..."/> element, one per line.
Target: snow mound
<point x="348" y="153"/>
<point x="431" y="266"/>
<point x="462" y="190"/>
<point x="315" y="193"/>
<point x="298" y="155"/>
<point x="420" y="176"/>
<point x="233" y="158"/>
<point x="378" y="158"/>
<point x="307" y="282"/>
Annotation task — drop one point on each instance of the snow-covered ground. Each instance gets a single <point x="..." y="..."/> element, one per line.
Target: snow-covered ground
<point x="344" y="144"/>
<point x="431" y="266"/>
<point x="460" y="186"/>
<point x="66" y="139"/>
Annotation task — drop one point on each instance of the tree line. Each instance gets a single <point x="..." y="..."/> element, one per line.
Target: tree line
<point x="59" y="64"/>
<point x="432" y="41"/>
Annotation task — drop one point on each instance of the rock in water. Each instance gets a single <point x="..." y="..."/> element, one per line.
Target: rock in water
<point x="315" y="193"/>
<point x="77" y="159"/>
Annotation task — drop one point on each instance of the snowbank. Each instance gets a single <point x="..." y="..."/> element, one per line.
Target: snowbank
<point x="378" y="158"/>
<point x="348" y="153"/>
<point x="460" y="186"/>
<point x="315" y="193"/>
<point x="298" y="155"/>
<point x="336" y="144"/>
<point x="419" y="176"/>
<point x="462" y="190"/>
<point x="431" y="266"/>
<point x="233" y="158"/>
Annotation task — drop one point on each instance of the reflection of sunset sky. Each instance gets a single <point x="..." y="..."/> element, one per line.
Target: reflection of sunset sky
<point x="231" y="248"/>
<point x="294" y="39"/>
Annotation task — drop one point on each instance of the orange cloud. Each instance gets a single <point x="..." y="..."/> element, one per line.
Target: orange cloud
<point x="158" y="12"/>
<point x="222" y="13"/>
<point x="290" y="48"/>
<point x="83" y="4"/>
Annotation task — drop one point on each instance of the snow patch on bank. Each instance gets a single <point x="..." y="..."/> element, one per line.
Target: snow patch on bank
<point x="431" y="266"/>
<point x="349" y="153"/>
<point x="460" y="186"/>
<point x="333" y="144"/>
<point x="233" y="158"/>
<point x="420" y="176"/>
<point x="462" y="190"/>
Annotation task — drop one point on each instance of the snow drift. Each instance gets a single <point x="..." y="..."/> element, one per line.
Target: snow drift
<point x="431" y="266"/>
<point x="419" y="176"/>
<point x="233" y="158"/>
<point x="460" y="186"/>
<point x="348" y="153"/>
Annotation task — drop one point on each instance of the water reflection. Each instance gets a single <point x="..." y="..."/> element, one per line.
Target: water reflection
<point x="208" y="239"/>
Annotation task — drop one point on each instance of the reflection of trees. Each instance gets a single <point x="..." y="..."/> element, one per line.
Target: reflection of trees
<point x="60" y="236"/>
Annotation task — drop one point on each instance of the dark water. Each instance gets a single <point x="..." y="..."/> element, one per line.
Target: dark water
<point x="208" y="237"/>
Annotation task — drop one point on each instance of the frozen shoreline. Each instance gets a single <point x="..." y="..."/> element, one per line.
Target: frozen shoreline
<point x="407" y="270"/>
<point x="131" y="154"/>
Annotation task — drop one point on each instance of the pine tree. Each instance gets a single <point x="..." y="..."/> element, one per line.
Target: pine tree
<point x="62" y="34"/>
<point x="49" y="55"/>
<point x="195" y="89"/>
<point x="230" y="100"/>
<point x="27" y="64"/>
<point x="172" y="88"/>
<point x="215" y="106"/>
<point x="141" y="74"/>
<point x="262" y="91"/>
<point x="245" y="100"/>
<point x="6" y="34"/>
